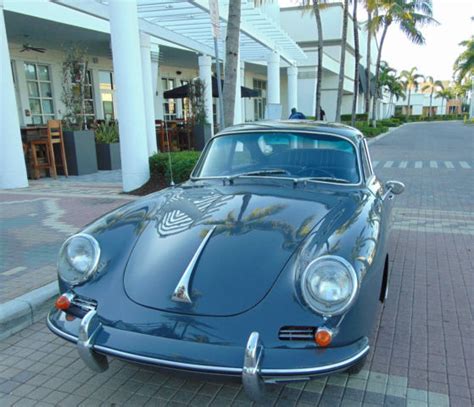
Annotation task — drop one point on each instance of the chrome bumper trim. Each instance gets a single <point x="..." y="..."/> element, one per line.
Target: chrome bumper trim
<point x="90" y="326"/>
<point x="268" y="375"/>
<point x="253" y="383"/>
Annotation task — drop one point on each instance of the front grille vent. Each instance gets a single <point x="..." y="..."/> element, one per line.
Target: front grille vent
<point x="84" y="303"/>
<point x="297" y="333"/>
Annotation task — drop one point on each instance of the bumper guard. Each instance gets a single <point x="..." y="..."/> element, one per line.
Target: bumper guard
<point x="253" y="376"/>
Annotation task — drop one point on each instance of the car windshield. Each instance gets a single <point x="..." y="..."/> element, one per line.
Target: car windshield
<point x="280" y="154"/>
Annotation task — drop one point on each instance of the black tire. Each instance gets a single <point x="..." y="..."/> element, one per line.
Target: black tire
<point x="358" y="366"/>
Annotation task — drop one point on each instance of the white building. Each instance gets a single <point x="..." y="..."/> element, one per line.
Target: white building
<point x="156" y="46"/>
<point x="420" y="103"/>
<point x="301" y="26"/>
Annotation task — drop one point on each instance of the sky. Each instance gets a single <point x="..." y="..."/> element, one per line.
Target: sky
<point x="437" y="56"/>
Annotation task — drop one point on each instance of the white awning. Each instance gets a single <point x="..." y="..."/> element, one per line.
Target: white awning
<point x="187" y="23"/>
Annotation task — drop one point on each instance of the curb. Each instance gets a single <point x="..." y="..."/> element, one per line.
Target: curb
<point x="381" y="136"/>
<point x="26" y="309"/>
<point x="391" y="129"/>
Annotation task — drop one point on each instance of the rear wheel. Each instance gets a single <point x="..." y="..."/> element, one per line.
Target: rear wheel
<point x="357" y="367"/>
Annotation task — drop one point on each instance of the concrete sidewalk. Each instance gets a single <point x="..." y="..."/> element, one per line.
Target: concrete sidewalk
<point x="34" y="222"/>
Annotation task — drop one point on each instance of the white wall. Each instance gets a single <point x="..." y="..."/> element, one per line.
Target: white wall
<point x="304" y="32"/>
<point x="420" y="100"/>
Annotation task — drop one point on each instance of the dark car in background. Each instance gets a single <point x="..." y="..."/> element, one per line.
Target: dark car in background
<point x="268" y="264"/>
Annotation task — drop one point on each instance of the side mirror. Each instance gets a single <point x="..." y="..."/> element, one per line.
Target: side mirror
<point x="395" y="187"/>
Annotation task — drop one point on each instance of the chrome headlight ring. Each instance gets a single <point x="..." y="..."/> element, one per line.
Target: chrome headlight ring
<point x="78" y="258"/>
<point x="329" y="285"/>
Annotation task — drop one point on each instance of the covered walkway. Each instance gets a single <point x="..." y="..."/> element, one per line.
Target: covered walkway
<point x="134" y="25"/>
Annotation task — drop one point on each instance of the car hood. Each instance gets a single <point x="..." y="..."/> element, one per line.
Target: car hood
<point x="252" y="234"/>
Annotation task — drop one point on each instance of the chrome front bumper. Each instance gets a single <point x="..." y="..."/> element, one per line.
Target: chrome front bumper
<point x="254" y="377"/>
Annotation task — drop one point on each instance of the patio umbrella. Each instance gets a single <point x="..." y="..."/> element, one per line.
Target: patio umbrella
<point x="182" y="92"/>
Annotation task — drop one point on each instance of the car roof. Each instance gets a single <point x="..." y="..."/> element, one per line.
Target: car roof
<point x="298" y="125"/>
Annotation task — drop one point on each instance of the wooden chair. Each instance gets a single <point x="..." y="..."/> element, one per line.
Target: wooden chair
<point x="54" y="136"/>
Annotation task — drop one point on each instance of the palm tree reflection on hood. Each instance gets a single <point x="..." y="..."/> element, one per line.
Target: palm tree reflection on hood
<point x="257" y="219"/>
<point x="183" y="211"/>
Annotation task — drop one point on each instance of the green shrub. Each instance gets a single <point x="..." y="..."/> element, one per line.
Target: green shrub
<point x="369" y="131"/>
<point x="359" y="117"/>
<point x="401" y="119"/>
<point x="389" y="122"/>
<point x="107" y="133"/>
<point x="182" y="162"/>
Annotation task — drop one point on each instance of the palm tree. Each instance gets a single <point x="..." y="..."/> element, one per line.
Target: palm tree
<point x="356" y="64"/>
<point x="464" y="64"/>
<point x="411" y="81"/>
<point x="231" y="60"/>
<point x="316" y="6"/>
<point x="396" y="89"/>
<point x="409" y="15"/>
<point x="340" y="86"/>
<point x="390" y="81"/>
<point x="431" y="86"/>
<point x="445" y="94"/>
<point x="369" y="61"/>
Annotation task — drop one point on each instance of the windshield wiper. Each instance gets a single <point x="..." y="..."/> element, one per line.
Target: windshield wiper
<point x="259" y="173"/>
<point x="330" y="179"/>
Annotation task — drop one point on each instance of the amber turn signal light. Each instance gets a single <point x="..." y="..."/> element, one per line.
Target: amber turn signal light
<point x="323" y="337"/>
<point x="62" y="302"/>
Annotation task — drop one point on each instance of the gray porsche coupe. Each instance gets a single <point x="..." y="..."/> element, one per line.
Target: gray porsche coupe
<point x="267" y="264"/>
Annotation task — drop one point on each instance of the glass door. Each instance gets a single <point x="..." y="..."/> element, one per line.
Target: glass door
<point x="106" y="86"/>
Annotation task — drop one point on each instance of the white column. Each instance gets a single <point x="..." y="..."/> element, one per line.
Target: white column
<point x="242" y="83"/>
<point x="158" y="92"/>
<point x="273" y="78"/>
<point x="238" y="96"/>
<point x="145" y="49"/>
<point x="292" y="72"/>
<point x="205" y="74"/>
<point x="155" y="72"/>
<point x="12" y="161"/>
<point x="130" y="97"/>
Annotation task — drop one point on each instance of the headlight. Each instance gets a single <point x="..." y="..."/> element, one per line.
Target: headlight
<point x="78" y="258"/>
<point x="329" y="285"/>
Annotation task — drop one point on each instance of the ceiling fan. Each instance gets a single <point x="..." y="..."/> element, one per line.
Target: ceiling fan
<point x="29" y="47"/>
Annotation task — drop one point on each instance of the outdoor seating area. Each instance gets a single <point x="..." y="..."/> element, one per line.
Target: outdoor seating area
<point x="46" y="155"/>
<point x="179" y="137"/>
<point x="43" y="146"/>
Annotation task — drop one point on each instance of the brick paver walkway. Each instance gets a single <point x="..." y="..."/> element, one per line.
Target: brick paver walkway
<point x="35" y="221"/>
<point x="423" y="351"/>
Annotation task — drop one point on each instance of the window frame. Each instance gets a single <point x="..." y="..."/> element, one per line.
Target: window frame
<point x="360" y="171"/>
<point x="44" y="116"/>
<point x="166" y="102"/>
<point x="89" y="83"/>
<point x="364" y="153"/>
<point x="260" y="101"/>
<point x="104" y="91"/>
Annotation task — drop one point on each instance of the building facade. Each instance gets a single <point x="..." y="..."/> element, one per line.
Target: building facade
<point x="172" y="44"/>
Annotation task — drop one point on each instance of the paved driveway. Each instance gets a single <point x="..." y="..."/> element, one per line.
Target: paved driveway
<point x="423" y="351"/>
<point x="34" y="222"/>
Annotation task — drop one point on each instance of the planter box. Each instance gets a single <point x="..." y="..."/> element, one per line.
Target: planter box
<point x="108" y="156"/>
<point x="201" y="135"/>
<point x="80" y="151"/>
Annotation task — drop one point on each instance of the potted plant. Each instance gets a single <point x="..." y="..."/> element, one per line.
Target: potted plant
<point x="108" y="146"/>
<point x="202" y="131"/>
<point x="79" y="141"/>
